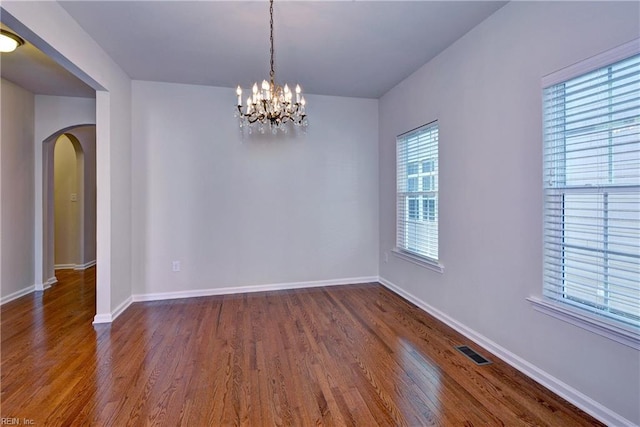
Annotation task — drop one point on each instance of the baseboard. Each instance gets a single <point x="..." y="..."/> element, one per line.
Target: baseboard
<point x="17" y="294"/>
<point x="562" y="389"/>
<point x="74" y="266"/>
<point x="102" y="318"/>
<point x="46" y="285"/>
<point x="121" y="308"/>
<point x="85" y="265"/>
<point x="29" y="289"/>
<point x="253" y="288"/>
<point x="110" y="317"/>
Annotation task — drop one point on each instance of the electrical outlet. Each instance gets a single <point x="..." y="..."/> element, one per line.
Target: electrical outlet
<point x="74" y="197"/>
<point x="175" y="266"/>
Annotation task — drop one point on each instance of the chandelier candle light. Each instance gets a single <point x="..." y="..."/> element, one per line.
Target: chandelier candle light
<point x="271" y="104"/>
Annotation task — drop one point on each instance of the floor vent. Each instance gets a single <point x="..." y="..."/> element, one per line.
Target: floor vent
<point x="471" y="354"/>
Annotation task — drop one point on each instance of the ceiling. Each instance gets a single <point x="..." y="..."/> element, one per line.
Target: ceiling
<point x="339" y="48"/>
<point x="30" y="68"/>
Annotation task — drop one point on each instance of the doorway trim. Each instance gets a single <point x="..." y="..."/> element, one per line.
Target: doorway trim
<point x="44" y="248"/>
<point x="36" y="28"/>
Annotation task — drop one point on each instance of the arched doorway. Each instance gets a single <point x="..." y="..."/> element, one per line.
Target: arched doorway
<point x="80" y="214"/>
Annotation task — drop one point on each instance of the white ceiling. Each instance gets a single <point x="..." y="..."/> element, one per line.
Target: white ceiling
<point x="31" y="69"/>
<point x="341" y="48"/>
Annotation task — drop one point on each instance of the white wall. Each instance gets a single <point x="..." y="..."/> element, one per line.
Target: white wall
<point x="485" y="92"/>
<point x="188" y="163"/>
<point x="16" y="191"/>
<point x="255" y="211"/>
<point x="51" y="29"/>
<point x="75" y="221"/>
<point x="53" y="115"/>
<point x="67" y="218"/>
<point x="86" y="137"/>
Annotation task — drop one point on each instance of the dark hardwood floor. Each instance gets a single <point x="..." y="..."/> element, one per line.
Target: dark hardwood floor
<point x="345" y="355"/>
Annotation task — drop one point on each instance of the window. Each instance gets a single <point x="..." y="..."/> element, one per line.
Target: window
<point x="413" y="208"/>
<point x="417" y="192"/>
<point x="427" y="183"/>
<point x="429" y="209"/>
<point x="592" y="192"/>
<point x="412" y="185"/>
<point x="412" y="168"/>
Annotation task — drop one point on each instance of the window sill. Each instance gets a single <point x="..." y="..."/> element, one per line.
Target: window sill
<point x="418" y="260"/>
<point x="589" y="322"/>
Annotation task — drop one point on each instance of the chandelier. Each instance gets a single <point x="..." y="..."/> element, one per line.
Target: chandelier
<point x="271" y="104"/>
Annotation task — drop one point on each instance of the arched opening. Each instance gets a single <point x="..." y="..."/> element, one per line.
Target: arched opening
<point x="67" y="178"/>
<point x="102" y="125"/>
<point x="69" y="200"/>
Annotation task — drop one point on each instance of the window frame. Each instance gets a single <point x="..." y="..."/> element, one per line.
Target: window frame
<point x="569" y="311"/>
<point x="413" y="198"/>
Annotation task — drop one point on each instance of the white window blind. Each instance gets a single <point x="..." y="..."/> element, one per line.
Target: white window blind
<point x="592" y="191"/>
<point x="417" y="192"/>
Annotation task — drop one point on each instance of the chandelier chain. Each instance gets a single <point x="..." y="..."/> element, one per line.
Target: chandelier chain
<point x="272" y="73"/>
<point x="270" y="104"/>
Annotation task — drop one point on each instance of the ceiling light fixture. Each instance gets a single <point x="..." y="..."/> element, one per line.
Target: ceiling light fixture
<point x="271" y="104"/>
<point x="9" y="41"/>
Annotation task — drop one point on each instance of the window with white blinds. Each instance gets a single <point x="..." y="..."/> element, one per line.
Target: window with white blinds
<point x="417" y="192"/>
<point x="592" y="191"/>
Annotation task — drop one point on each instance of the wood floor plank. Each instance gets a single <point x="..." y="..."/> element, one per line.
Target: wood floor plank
<point x="354" y="355"/>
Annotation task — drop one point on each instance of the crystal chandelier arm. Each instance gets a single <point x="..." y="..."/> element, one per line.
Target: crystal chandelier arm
<point x="272" y="104"/>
